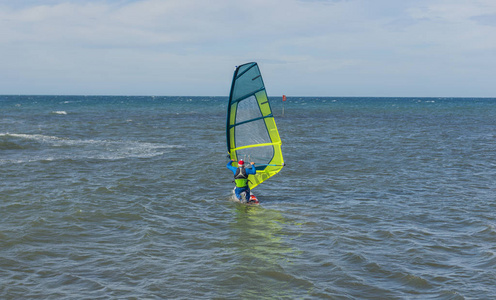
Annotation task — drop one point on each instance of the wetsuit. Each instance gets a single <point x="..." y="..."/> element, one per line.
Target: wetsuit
<point x="241" y="179"/>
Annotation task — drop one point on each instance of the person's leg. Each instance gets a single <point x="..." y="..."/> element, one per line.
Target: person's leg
<point x="237" y="192"/>
<point x="248" y="193"/>
<point x="243" y="194"/>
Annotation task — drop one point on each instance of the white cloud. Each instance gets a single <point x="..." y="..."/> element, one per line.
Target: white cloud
<point x="189" y="47"/>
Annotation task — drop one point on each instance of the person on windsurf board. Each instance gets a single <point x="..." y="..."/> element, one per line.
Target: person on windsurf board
<point x="241" y="179"/>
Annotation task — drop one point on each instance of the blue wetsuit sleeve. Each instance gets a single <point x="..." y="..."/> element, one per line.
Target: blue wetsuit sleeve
<point x="230" y="167"/>
<point x="251" y="170"/>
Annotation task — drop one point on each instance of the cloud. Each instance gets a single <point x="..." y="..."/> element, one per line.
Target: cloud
<point x="189" y="47"/>
<point x="485" y="19"/>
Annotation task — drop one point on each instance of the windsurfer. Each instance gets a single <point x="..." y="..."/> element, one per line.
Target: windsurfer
<point x="241" y="178"/>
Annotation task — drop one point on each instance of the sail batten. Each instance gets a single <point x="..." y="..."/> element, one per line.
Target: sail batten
<point x="241" y="123"/>
<point x="251" y="131"/>
<point x="257" y="145"/>
<point x="247" y="96"/>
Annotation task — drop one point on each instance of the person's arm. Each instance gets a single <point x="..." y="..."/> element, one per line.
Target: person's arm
<point x="230" y="166"/>
<point x="252" y="169"/>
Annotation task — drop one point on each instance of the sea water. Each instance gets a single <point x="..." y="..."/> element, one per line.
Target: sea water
<point x="129" y="198"/>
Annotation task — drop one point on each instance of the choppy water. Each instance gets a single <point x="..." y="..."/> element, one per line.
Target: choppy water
<point x="129" y="197"/>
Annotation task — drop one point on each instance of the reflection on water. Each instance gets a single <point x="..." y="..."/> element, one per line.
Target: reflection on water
<point x="260" y="233"/>
<point x="262" y="254"/>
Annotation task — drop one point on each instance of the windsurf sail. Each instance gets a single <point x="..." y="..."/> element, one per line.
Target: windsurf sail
<point x="251" y="130"/>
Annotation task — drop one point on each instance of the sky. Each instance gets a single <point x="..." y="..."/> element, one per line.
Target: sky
<point x="342" y="48"/>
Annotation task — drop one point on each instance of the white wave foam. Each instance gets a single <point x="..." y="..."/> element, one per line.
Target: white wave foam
<point x="59" y="112"/>
<point x="86" y="149"/>
<point x="31" y="136"/>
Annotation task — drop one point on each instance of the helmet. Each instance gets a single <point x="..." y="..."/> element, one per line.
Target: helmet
<point x="241" y="163"/>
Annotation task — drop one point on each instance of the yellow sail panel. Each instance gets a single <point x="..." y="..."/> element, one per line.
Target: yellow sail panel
<point x="251" y="130"/>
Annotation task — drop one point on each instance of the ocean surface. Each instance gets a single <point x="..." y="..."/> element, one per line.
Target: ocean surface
<point x="129" y="198"/>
